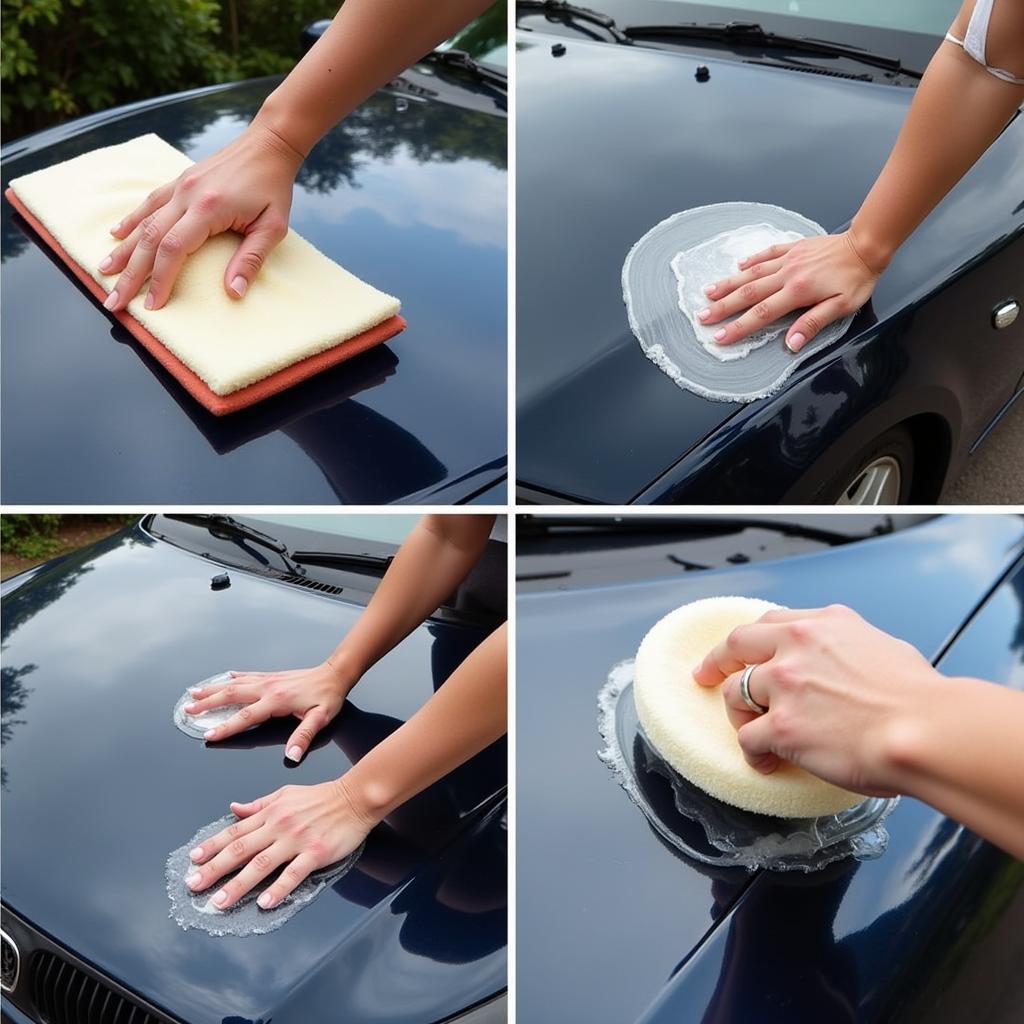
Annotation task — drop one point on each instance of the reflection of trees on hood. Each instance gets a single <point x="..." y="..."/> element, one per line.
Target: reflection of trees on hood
<point x="12" y="700"/>
<point x="431" y="132"/>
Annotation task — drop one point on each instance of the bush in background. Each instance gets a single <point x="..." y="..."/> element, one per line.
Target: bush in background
<point x="31" y="536"/>
<point x="64" y="58"/>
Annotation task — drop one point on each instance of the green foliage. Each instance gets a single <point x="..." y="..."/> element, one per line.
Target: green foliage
<point x="31" y="536"/>
<point x="64" y="58"/>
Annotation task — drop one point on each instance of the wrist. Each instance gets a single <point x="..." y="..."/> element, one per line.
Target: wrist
<point x="367" y="799"/>
<point x="277" y="128"/>
<point x="343" y="672"/>
<point x="872" y="248"/>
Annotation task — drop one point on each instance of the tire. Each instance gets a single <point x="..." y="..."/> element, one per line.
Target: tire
<point x="881" y="473"/>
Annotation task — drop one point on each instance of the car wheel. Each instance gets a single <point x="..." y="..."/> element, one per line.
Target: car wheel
<point x="880" y="474"/>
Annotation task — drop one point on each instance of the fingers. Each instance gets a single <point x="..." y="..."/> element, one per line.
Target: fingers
<point x="181" y="240"/>
<point x="720" y="289"/>
<point x="746" y="645"/>
<point x="238" y="852"/>
<point x="244" y="718"/>
<point x="229" y="693"/>
<point x="773" y="252"/>
<point x="215" y="844"/>
<point x="293" y="874"/>
<point x="253" y="806"/>
<point x="760" y="315"/>
<point x="743" y="297"/>
<point x="153" y="202"/>
<point x="756" y="742"/>
<point x="262" y="235"/>
<point x="312" y="722"/>
<point x="147" y="237"/>
<point x="735" y="707"/>
<point x="816" y="318"/>
<point x="261" y="865"/>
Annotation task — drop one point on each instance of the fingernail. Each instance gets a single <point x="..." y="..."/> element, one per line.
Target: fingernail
<point x="195" y="690"/>
<point x="117" y="227"/>
<point x="704" y="314"/>
<point x="294" y="753"/>
<point x="238" y="285"/>
<point x="221" y="898"/>
<point x="190" y="709"/>
<point x="697" y="668"/>
<point x="210" y="734"/>
<point x="709" y="289"/>
<point x="193" y="880"/>
<point x="111" y="301"/>
<point x="265" y="900"/>
<point x="150" y="301"/>
<point x="743" y="261"/>
<point x="795" y="342"/>
<point x="720" y="334"/>
<point x="197" y="853"/>
<point x="107" y="260"/>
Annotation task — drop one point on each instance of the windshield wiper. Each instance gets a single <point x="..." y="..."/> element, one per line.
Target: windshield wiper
<point x="570" y="13"/>
<point x="344" y="560"/>
<point x="462" y="61"/>
<point x="749" y="33"/>
<point x="229" y="527"/>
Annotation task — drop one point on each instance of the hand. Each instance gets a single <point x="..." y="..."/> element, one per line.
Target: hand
<point x="305" y="827"/>
<point x="244" y="187"/>
<point x="840" y="694"/>
<point x="824" y="275"/>
<point x="313" y="694"/>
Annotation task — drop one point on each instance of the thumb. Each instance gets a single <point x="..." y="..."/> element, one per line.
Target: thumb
<point x="756" y="742"/>
<point x="814" y="320"/>
<point x="312" y="722"/>
<point x="261" y="236"/>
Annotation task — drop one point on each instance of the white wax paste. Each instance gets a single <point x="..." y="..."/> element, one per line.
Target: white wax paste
<point x="715" y="260"/>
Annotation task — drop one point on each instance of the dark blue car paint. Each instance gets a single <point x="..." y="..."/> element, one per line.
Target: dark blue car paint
<point x="99" y="786"/>
<point x="596" y="420"/>
<point x="614" y="925"/>
<point x="409" y="193"/>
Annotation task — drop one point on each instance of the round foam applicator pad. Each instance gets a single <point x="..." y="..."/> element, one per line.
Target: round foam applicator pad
<point x="663" y="282"/>
<point x="688" y="725"/>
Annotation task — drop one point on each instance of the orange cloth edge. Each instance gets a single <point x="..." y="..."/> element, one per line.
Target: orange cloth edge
<point x="219" y="405"/>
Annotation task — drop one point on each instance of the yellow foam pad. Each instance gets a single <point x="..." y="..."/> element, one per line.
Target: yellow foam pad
<point x="301" y="302"/>
<point x="688" y="725"/>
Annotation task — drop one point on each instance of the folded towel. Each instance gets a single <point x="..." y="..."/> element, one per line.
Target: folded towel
<point x="301" y="315"/>
<point x="688" y="724"/>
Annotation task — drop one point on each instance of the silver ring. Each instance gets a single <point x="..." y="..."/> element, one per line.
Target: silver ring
<point x="745" y="691"/>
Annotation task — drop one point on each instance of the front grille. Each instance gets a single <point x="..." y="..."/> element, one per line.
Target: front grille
<point x="63" y="994"/>
<point x="9" y="962"/>
<point x="302" y="581"/>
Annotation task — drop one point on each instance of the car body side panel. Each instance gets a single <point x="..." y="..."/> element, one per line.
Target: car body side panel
<point x="612" y="911"/>
<point x="903" y="938"/>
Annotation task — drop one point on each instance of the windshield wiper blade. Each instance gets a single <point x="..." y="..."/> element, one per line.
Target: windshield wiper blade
<point x="344" y="560"/>
<point x="750" y="33"/>
<point x="569" y="13"/>
<point x="461" y="60"/>
<point x="231" y="527"/>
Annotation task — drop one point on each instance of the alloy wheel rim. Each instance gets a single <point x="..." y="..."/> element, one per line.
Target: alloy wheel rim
<point x="878" y="483"/>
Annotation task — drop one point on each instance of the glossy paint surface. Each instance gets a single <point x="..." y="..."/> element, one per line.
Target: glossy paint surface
<point x="99" y="786"/>
<point x="608" y="913"/>
<point x="597" y="420"/>
<point x="409" y="194"/>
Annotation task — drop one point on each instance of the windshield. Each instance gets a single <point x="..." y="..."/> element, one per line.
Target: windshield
<point x="387" y="529"/>
<point x="485" y="39"/>
<point x="931" y="17"/>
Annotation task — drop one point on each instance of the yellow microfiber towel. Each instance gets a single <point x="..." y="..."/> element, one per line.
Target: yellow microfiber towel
<point x="301" y="310"/>
<point x="688" y="724"/>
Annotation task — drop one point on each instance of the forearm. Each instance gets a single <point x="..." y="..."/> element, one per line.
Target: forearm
<point x="963" y="754"/>
<point x="368" y="43"/>
<point x="958" y="112"/>
<point x="434" y="559"/>
<point x="465" y="715"/>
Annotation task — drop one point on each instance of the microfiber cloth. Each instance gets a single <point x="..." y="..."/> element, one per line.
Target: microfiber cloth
<point x="663" y="282"/>
<point x="302" y="314"/>
<point x="688" y="725"/>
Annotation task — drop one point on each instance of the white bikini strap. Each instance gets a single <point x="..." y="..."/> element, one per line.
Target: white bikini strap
<point x="974" y="38"/>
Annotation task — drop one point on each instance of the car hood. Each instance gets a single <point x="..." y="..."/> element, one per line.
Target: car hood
<point x="99" y="787"/>
<point x="633" y="138"/>
<point x="408" y="192"/>
<point x="614" y="911"/>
